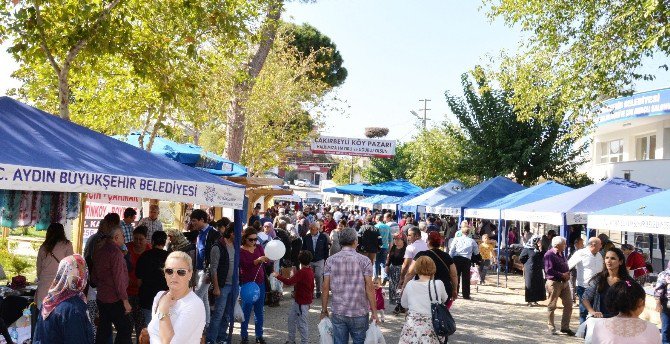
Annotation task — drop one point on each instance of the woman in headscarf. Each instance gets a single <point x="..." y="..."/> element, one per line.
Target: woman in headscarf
<point x="63" y="317"/>
<point x="178" y="241"/>
<point x="533" y="266"/>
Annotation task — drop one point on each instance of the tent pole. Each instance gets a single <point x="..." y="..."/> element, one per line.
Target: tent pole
<point x="498" y="255"/>
<point x="651" y="249"/>
<point x="238" y="217"/>
<point x="661" y="247"/>
<point x="78" y="225"/>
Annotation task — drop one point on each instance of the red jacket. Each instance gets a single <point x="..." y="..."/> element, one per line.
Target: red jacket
<point x="110" y="273"/>
<point x="304" y="285"/>
<point x="329" y="226"/>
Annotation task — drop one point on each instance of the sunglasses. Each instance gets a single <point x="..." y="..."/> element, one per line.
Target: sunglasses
<point x="252" y="239"/>
<point x="180" y="272"/>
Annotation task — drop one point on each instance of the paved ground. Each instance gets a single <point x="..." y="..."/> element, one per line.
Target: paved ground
<point x="494" y="315"/>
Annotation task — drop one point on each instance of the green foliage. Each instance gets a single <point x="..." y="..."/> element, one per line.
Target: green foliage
<point x="18" y="265"/>
<point x="342" y="171"/>
<point x="383" y="170"/>
<point x="434" y="158"/>
<point x="576" y="180"/>
<point x="495" y="142"/>
<point x="579" y="52"/>
<point x="308" y="40"/>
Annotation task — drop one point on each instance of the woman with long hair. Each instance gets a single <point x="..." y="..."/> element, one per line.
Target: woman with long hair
<point x="595" y="296"/>
<point x="55" y="247"/>
<point x="63" y="317"/>
<point x="394" y="262"/>
<point x="252" y="262"/>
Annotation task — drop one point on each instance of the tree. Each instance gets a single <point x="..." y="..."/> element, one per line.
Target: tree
<point x="307" y="40"/>
<point x="342" y="170"/>
<point x="281" y="111"/>
<point x="495" y="142"/>
<point x="580" y="52"/>
<point x="382" y="170"/>
<point x="56" y="33"/>
<point x="435" y="156"/>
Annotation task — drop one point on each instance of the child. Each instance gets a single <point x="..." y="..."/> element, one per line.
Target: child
<point x="379" y="295"/>
<point x="304" y="288"/>
<point x="486" y="248"/>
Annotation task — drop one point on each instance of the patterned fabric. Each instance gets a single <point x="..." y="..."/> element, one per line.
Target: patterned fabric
<point x="127" y="231"/>
<point x="532" y="242"/>
<point x="394" y="280"/>
<point x="178" y="240"/>
<point x="349" y="298"/>
<point x="418" y="329"/>
<point x="70" y="281"/>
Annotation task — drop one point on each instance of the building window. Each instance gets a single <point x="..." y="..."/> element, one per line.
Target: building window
<point x="611" y="151"/>
<point x="645" y="147"/>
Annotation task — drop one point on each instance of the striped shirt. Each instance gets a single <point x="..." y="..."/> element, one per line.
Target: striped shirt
<point x="347" y="270"/>
<point x="152" y="225"/>
<point x="127" y="231"/>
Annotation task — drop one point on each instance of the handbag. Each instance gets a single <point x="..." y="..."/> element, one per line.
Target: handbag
<point x="443" y="323"/>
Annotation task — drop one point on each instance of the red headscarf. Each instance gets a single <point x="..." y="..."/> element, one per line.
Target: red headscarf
<point x="70" y="281"/>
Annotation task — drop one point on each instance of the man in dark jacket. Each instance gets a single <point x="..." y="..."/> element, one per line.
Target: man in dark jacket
<point x="222" y="258"/>
<point x="318" y="244"/>
<point x="149" y="271"/>
<point x="207" y="237"/>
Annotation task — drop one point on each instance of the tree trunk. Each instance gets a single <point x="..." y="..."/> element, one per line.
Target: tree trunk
<point x="242" y="89"/>
<point x="63" y="95"/>
<point x="154" y="131"/>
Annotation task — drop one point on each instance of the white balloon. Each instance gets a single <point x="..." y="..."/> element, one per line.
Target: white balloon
<point x="275" y="249"/>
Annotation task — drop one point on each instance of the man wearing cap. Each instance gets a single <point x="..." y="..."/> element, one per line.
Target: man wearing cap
<point x="461" y="249"/>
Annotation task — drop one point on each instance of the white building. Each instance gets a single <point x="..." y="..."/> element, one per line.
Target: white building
<point x="632" y="139"/>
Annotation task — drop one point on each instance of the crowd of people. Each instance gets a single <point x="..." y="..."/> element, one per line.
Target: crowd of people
<point x="175" y="286"/>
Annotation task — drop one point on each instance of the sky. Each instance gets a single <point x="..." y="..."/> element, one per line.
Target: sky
<point x="397" y="52"/>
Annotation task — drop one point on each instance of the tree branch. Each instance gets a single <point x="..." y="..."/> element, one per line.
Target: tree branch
<point x="43" y="42"/>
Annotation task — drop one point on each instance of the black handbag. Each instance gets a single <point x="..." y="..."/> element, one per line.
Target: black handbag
<point x="443" y="323"/>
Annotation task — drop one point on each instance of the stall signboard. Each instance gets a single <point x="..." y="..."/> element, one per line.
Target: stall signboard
<point x="14" y="177"/>
<point x="374" y="148"/>
<point x="98" y="205"/>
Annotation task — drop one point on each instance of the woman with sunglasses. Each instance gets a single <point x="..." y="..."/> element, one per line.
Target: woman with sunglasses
<point x="178" y="314"/>
<point x="252" y="261"/>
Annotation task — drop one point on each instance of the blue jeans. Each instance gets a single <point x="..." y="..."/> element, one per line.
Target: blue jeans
<point x="380" y="263"/>
<point x="218" y="323"/>
<point x="582" y="310"/>
<point x="258" y="315"/>
<point x="343" y="326"/>
<point x="665" y="325"/>
<point x="147" y="315"/>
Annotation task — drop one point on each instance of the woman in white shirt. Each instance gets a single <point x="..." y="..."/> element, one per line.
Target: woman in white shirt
<point x="178" y="315"/>
<point x="418" y="327"/>
<point x="627" y="298"/>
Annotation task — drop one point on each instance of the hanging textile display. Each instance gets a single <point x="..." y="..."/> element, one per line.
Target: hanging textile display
<point x="35" y="208"/>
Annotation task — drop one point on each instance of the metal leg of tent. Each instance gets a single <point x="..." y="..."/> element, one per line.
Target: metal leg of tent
<point x="238" y="217"/>
<point x="651" y="248"/>
<point x="498" y="264"/>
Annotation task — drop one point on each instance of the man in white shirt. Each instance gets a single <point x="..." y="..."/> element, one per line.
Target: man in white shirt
<point x="461" y="249"/>
<point x="416" y="245"/>
<point x="152" y="222"/>
<point x="337" y="215"/>
<point x="588" y="262"/>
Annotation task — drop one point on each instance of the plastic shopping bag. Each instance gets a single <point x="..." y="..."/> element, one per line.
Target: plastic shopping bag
<point x="238" y="313"/>
<point x="474" y="275"/>
<point x="325" y="331"/>
<point x="275" y="284"/>
<point x="374" y="335"/>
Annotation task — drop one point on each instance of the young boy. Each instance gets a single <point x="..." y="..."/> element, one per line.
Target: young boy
<point x="304" y="288"/>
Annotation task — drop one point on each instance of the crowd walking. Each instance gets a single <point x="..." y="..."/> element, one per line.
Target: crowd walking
<point x="177" y="287"/>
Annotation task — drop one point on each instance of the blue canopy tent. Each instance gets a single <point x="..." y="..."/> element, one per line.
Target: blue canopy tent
<point x="475" y="197"/>
<point x="418" y="204"/>
<point x="372" y="202"/>
<point x="42" y="152"/>
<point x="398" y="187"/>
<point x="649" y="215"/>
<point x="493" y="209"/>
<point x="189" y="154"/>
<point x="393" y="202"/>
<point x="573" y="206"/>
<point x="355" y="189"/>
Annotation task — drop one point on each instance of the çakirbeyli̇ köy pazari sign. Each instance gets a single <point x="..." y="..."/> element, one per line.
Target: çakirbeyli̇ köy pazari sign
<point x="13" y="177"/>
<point x="350" y="146"/>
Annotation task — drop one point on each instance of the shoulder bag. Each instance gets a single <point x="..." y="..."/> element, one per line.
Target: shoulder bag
<point x="443" y="323"/>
